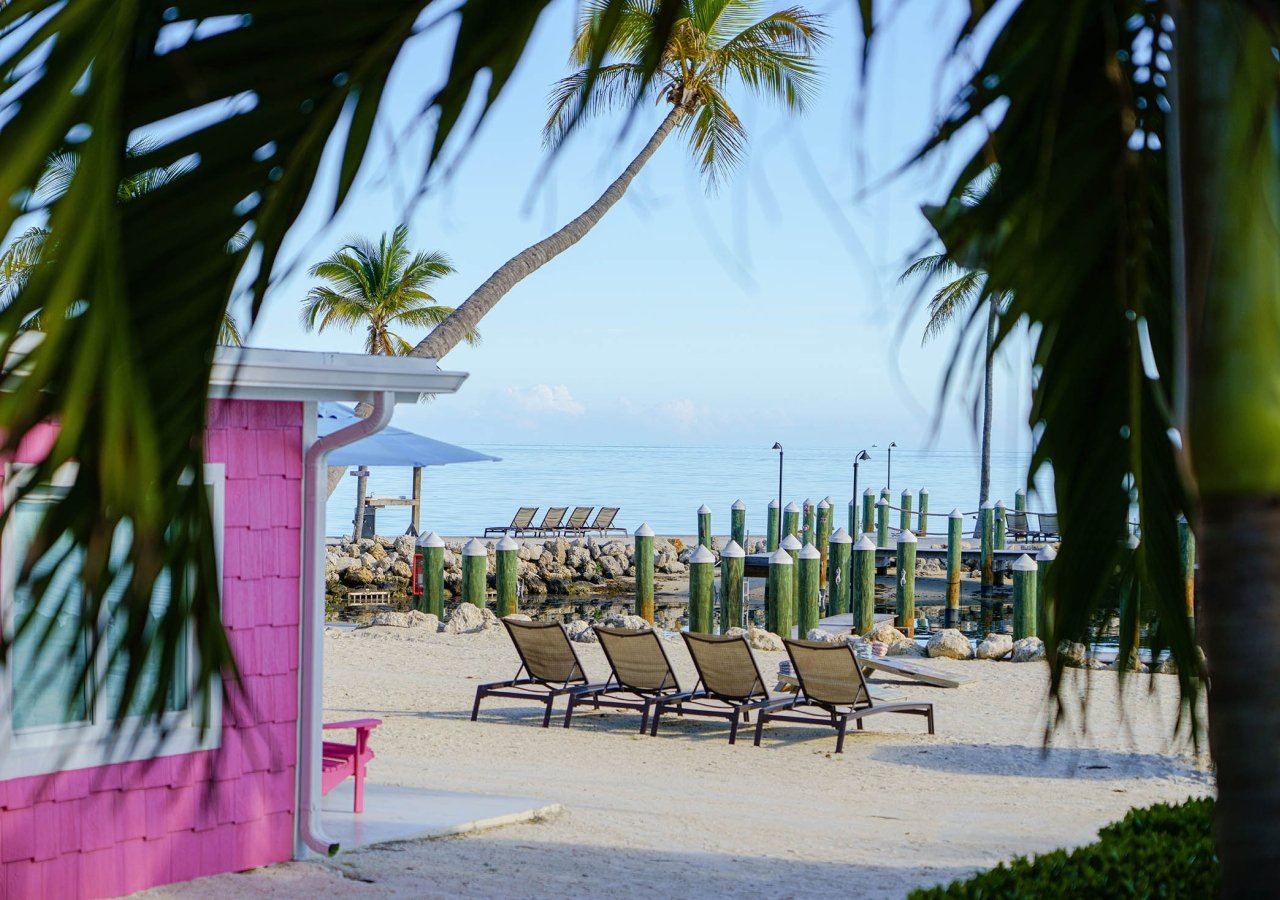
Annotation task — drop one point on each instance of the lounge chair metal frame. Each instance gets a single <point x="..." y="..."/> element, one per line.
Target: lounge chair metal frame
<point x="548" y="527"/>
<point x="1018" y="526"/>
<point x="577" y="521"/>
<point x="606" y="527"/>
<point x="620" y="693"/>
<point x="1049" y="533"/>
<point x="545" y="690"/>
<point x="807" y="709"/>
<point x="702" y="701"/>
<point x="517" y="526"/>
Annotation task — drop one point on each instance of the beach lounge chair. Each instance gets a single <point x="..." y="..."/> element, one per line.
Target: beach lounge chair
<point x="832" y="691"/>
<point x="641" y="673"/>
<point x="1048" y="527"/>
<point x="729" y="686"/>
<point x="550" y="664"/>
<point x="519" y="522"/>
<point x="1017" y="526"/>
<point x="603" y="522"/>
<point x="340" y="761"/>
<point x="577" y="520"/>
<point x="551" y="521"/>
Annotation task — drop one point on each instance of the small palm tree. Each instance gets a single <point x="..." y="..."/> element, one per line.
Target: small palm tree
<point x="379" y="287"/>
<point x="712" y="45"/>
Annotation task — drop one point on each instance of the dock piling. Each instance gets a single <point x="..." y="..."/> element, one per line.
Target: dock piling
<point x="955" y="541"/>
<point x="475" y="571"/>
<point x="904" y="514"/>
<point x="807" y="581"/>
<point x="906" y="590"/>
<point x="985" y="515"/>
<point x="839" y="554"/>
<point x="732" y="565"/>
<point x="432" y="549"/>
<point x="644" y="572"/>
<point x="1044" y="601"/>
<point x="868" y="514"/>
<point x="738" y="524"/>
<point x="823" y="533"/>
<point x="781" y="584"/>
<point x="506" y="574"/>
<point x="922" y="517"/>
<point x="702" y="569"/>
<point x="791" y="520"/>
<point x="704" y="526"/>
<point x="771" y="531"/>
<point x="1000" y="521"/>
<point x="863" y="583"/>
<point x="1024" y="598"/>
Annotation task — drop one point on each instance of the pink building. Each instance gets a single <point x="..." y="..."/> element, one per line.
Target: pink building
<point x="84" y="816"/>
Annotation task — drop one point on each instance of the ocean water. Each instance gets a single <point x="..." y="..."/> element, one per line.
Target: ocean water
<point x="664" y="486"/>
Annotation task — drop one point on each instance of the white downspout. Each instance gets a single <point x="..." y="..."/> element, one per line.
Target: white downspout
<point x="311" y="661"/>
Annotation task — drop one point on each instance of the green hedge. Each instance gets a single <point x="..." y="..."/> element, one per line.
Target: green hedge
<point x="1159" y="851"/>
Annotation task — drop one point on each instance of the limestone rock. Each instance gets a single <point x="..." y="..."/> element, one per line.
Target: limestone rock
<point x="996" y="646"/>
<point x="1072" y="654"/>
<point x="905" y="648"/>
<point x="405" y="546"/>
<point x="886" y="633"/>
<point x="635" y="623"/>
<point x="949" y="643"/>
<point x="358" y="576"/>
<point x="376" y="551"/>
<point x="466" y="618"/>
<point x="1029" y="649"/>
<point x="735" y="631"/>
<point x="401" y="569"/>
<point x="1165" y="667"/>
<point x="398" y="619"/>
<point x="1131" y="665"/>
<point x="826" y="637"/>
<point x="611" y="567"/>
<point x="426" y="621"/>
<point x="581" y="630"/>
<point x="765" y="640"/>
<point x="535" y="585"/>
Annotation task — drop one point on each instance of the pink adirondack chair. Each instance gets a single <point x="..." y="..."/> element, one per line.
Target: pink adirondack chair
<point x="342" y="761"/>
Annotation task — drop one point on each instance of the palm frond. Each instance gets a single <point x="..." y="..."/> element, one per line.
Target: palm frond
<point x="229" y="332"/>
<point x="717" y="138"/>
<point x="578" y="97"/>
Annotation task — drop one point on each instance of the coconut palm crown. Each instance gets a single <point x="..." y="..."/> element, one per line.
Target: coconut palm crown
<point x="378" y="287"/>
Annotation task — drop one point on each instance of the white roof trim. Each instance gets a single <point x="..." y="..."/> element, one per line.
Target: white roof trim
<point x="252" y="373"/>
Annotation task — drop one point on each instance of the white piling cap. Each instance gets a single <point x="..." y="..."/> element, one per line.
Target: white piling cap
<point x="808" y="551"/>
<point x="865" y="543"/>
<point x="773" y="504"/>
<point x="780" y="558"/>
<point x="1020" y="491"/>
<point x="906" y="537"/>
<point x="732" y="551"/>
<point x="1024" y="563"/>
<point x="507" y="544"/>
<point x="738" y="504"/>
<point x="1000" y="504"/>
<point x="790" y="542"/>
<point x="956" y="514"/>
<point x="987" y="505"/>
<point x="828" y="499"/>
<point x="840" y="536"/>
<point x="702" y="555"/>
<point x="882" y="502"/>
<point x="906" y="492"/>
<point x="868" y="493"/>
<point x="924" y="490"/>
<point x="704" y="510"/>
<point x="824" y="504"/>
<point x="474" y="547"/>
<point x="431" y="540"/>
<point x="1047" y="554"/>
<point x="644" y="531"/>
<point x="791" y="507"/>
<point x="1131" y="542"/>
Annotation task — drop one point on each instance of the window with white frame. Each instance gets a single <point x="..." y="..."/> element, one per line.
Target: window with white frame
<point x="51" y="718"/>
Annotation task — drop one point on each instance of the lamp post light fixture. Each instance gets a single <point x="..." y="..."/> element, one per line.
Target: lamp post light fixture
<point x="888" y="475"/>
<point x="862" y="455"/>
<point x="778" y="447"/>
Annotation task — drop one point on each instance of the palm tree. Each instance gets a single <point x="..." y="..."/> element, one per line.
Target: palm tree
<point x="683" y="55"/>
<point x="379" y="287"/>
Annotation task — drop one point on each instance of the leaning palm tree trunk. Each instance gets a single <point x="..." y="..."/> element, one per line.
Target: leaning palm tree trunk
<point x="445" y="336"/>
<point x="1230" y="181"/>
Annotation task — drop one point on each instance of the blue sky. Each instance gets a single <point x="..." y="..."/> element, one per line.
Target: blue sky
<point x="768" y="311"/>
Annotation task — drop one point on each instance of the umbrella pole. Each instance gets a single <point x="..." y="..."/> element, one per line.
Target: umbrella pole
<point x="416" y="512"/>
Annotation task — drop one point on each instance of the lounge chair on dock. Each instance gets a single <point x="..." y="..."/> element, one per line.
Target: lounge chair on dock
<point x="550" y="522"/>
<point x="641" y="675"/>
<point x="729" y="686"/>
<point x="577" y="520"/>
<point x="549" y="662"/>
<point x="520" y="522"/>
<point x="603" y="522"/>
<point x="1017" y="526"/>
<point x="1048" y="527"/>
<point x="832" y="691"/>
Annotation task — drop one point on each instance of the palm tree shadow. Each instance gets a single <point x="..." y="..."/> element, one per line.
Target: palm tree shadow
<point x="1021" y="761"/>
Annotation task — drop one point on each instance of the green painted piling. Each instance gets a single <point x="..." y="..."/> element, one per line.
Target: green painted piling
<point x="733" y="561"/>
<point x="771" y="532"/>
<point x="985" y="515"/>
<point x="807" y="580"/>
<point x="882" y="522"/>
<point x="839" y="555"/>
<point x="955" y="543"/>
<point x="863" y="584"/>
<point x="704" y="526"/>
<point x="644" y="573"/>
<point x="904" y="514"/>
<point x="506" y="572"/>
<point x="702" y="576"/>
<point x="791" y="520"/>
<point x="1025" y="618"/>
<point x="475" y="571"/>
<point x="791" y="544"/>
<point x="1187" y="552"/>
<point x="1044" y="600"/>
<point x="884" y="493"/>
<point x="432" y="549"/>
<point x="906" y="588"/>
<point x="1020" y="500"/>
<point x="999" y="524"/>
<point x="922" y="517"/>
<point x="738" y="523"/>
<point x="823" y="533"/>
<point x="868" y="514"/>
<point x="1129" y="606"/>
<point x="806" y="523"/>
<point x="781" y="592"/>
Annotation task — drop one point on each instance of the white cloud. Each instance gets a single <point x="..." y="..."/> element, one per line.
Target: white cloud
<point x="684" y="412"/>
<point x="544" y="398"/>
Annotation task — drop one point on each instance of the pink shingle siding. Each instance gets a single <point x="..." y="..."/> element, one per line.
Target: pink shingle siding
<point x="112" y="830"/>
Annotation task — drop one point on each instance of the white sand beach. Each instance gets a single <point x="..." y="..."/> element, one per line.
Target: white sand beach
<point x="686" y="815"/>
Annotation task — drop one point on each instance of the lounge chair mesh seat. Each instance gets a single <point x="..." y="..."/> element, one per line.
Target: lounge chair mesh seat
<point x="730" y="685"/>
<point x="520" y="522"/>
<point x="551" y="521"/>
<point x="1017" y="525"/>
<point x="832" y="691"/>
<point x="603" y="522"/>
<point x="1048" y="525"/>
<point x="549" y="661"/>
<point x="641" y="675"/>
<point x="577" y="520"/>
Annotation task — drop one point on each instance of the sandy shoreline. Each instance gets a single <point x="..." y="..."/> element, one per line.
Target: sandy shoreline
<point x="686" y="815"/>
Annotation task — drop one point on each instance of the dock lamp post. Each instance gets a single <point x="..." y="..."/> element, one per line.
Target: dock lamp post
<point x="888" y="474"/>
<point x="862" y="455"/>
<point x="778" y="447"/>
